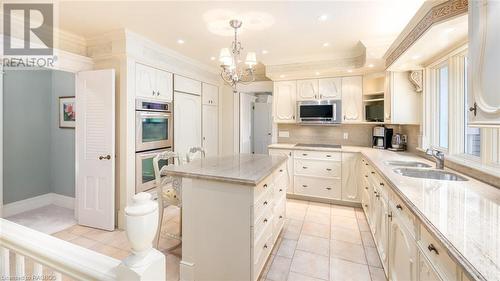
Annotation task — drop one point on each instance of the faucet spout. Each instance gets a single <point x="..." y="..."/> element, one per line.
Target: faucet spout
<point x="438" y="157"/>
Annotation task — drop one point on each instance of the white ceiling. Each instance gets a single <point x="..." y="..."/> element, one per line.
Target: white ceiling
<point x="289" y="31"/>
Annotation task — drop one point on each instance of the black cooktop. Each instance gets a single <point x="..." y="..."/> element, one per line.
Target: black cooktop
<point x="319" y="145"/>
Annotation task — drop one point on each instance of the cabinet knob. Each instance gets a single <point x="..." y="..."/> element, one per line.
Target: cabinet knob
<point x="265" y="202"/>
<point x="304" y="154"/>
<point x="398" y="206"/>
<point x="158" y="93"/>
<point x="432" y="248"/>
<point x="304" y="185"/>
<point x="378" y="195"/>
<point x="328" y="155"/>
<point x="265" y="246"/>
<point x="265" y="220"/>
<point x="474" y="109"/>
<point x="304" y="167"/>
<point x="366" y="205"/>
<point x="281" y="170"/>
<point x="154" y="93"/>
<point x="328" y="188"/>
<point x="366" y="176"/>
<point x="281" y="217"/>
<point x="366" y="187"/>
<point x="373" y="173"/>
<point x="265" y="185"/>
<point x="328" y="169"/>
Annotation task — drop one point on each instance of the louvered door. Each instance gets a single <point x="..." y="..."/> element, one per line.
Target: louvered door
<point x="95" y="148"/>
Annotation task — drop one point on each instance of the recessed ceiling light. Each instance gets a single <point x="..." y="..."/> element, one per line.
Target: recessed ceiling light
<point x="416" y="57"/>
<point x="350" y="70"/>
<point x="323" y="18"/>
<point x="317" y="73"/>
<point x="180" y="41"/>
<point x="282" y="76"/>
<point x="371" y="65"/>
<point x="264" y="52"/>
<point x="326" y="44"/>
<point x="212" y="58"/>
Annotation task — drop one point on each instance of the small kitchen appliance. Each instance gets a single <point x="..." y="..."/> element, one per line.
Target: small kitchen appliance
<point x="154" y="125"/>
<point x="319" y="111"/>
<point x="382" y="137"/>
<point x="398" y="142"/>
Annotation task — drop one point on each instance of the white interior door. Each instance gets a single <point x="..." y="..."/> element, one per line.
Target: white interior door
<point x="262" y="127"/>
<point x="95" y="148"/>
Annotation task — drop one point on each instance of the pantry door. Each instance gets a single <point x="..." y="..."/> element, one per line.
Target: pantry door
<point x="95" y="148"/>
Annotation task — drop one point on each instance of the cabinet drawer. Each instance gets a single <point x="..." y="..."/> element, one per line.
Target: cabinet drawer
<point x="260" y="206"/>
<point x="279" y="218"/>
<point x="261" y="252"/>
<point x="407" y="218"/>
<point x="318" y="187"/>
<point x="318" y="155"/>
<point x="263" y="186"/>
<point x="318" y="168"/>
<point x="437" y="255"/>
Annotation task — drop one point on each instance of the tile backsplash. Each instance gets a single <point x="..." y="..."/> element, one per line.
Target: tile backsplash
<point x="355" y="134"/>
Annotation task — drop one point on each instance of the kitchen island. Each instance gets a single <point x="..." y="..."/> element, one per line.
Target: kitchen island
<point x="233" y="209"/>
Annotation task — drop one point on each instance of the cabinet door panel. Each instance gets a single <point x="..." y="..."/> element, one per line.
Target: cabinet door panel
<point x="289" y="163"/>
<point x="402" y="252"/>
<point x="425" y="270"/>
<point x="210" y="94"/>
<point x="164" y="85"/>
<point x="484" y="62"/>
<point x="352" y="102"/>
<point x="307" y="89"/>
<point x="284" y="101"/>
<point x="210" y="130"/>
<point x="145" y="81"/>
<point x="330" y="88"/>
<point x="187" y="85"/>
<point x="350" y="177"/>
<point x="187" y="122"/>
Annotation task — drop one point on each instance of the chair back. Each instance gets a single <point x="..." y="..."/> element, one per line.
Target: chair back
<point x="193" y="151"/>
<point x="168" y="156"/>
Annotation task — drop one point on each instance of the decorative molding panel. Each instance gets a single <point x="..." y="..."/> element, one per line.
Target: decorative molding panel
<point x="439" y="13"/>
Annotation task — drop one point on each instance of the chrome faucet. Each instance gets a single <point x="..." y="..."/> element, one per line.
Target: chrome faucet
<point x="438" y="157"/>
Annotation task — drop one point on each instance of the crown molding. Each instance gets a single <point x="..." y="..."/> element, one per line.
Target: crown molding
<point x="428" y="15"/>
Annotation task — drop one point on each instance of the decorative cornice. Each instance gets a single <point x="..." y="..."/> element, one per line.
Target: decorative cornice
<point x="437" y="14"/>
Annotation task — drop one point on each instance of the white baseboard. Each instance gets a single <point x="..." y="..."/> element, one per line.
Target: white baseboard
<point x="37" y="202"/>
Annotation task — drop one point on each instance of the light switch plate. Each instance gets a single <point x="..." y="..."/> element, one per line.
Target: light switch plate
<point x="284" y="134"/>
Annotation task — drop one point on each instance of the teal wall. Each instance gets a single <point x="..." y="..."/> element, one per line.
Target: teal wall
<point x="39" y="157"/>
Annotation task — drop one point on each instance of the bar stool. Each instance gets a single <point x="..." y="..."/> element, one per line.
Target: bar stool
<point x="169" y="193"/>
<point x="193" y="151"/>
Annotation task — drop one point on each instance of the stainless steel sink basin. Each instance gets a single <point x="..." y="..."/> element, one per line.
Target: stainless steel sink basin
<point x="429" y="174"/>
<point x="408" y="164"/>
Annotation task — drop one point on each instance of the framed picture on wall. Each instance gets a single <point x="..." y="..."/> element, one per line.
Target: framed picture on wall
<point x="67" y="112"/>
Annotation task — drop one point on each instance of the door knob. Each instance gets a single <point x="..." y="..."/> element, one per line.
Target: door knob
<point x="107" y="157"/>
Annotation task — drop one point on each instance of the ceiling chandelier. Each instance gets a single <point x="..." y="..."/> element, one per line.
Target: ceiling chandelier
<point x="233" y="70"/>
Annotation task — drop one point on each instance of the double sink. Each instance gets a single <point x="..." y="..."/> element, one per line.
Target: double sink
<point x="415" y="169"/>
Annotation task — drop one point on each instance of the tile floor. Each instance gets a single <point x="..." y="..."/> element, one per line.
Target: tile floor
<point x="319" y="242"/>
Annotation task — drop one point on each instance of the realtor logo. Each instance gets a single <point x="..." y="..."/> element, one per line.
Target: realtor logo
<point x="43" y="30"/>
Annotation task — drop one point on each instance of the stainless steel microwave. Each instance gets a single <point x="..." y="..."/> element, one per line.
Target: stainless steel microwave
<point x="319" y="112"/>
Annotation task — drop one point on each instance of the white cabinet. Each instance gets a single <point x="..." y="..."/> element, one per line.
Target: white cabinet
<point x="425" y="271"/>
<point x="350" y="177"/>
<point x="382" y="227"/>
<point x="284" y="101"/>
<point x="210" y="94"/>
<point x="313" y="89"/>
<point x="352" y="99"/>
<point x="187" y="85"/>
<point x="402" y="251"/>
<point x="402" y="104"/>
<point x="153" y="83"/>
<point x="330" y="88"/>
<point x="187" y="122"/>
<point x="307" y="89"/>
<point x="484" y="62"/>
<point x="289" y="164"/>
<point x="210" y="127"/>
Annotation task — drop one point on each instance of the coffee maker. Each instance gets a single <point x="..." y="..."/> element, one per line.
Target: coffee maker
<point x="382" y="137"/>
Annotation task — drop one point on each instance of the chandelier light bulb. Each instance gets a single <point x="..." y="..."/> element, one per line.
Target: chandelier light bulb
<point x="251" y="59"/>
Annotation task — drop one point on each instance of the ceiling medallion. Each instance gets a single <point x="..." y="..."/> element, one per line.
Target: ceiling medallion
<point x="233" y="70"/>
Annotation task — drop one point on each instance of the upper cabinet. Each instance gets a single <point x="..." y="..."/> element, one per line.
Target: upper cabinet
<point x="153" y="83"/>
<point x="187" y="85"/>
<point x="210" y="94"/>
<point x="402" y="104"/>
<point x="484" y="63"/>
<point x="284" y="101"/>
<point x="330" y="88"/>
<point x="352" y="103"/>
<point x="314" y="89"/>
<point x="307" y="89"/>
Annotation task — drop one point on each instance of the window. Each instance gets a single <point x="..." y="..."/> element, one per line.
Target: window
<point x="443" y="106"/>
<point x="472" y="136"/>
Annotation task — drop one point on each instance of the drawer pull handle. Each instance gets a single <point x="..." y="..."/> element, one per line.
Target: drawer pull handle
<point x="281" y="170"/>
<point x="375" y="192"/>
<point x="304" y="167"/>
<point x="366" y="187"/>
<point x="366" y="205"/>
<point x="366" y="176"/>
<point x="328" y="169"/>
<point x="373" y="173"/>
<point x="432" y="248"/>
<point x="304" y="154"/>
<point x="398" y="206"/>
<point x="281" y="190"/>
<point x="328" y="155"/>
<point x="265" y="185"/>
<point x="328" y="188"/>
<point x="304" y="185"/>
<point x="378" y="195"/>
<point x="381" y="184"/>
<point x="265" y="202"/>
<point x="366" y="164"/>
<point x="281" y="217"/>
<point x="265" y="246"/>
<point x="265" y="220"/>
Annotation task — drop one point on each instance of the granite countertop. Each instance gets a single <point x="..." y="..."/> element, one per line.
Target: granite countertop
<point x="247" y="169"/>
<point x="465" y="216"/>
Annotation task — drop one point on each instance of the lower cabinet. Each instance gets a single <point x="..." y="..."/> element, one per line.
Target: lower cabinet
<point x="350" y="177"/>
<point x="289" y="164"/>
<point x="425" y="270"/>
<point x="402" y="251"/>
